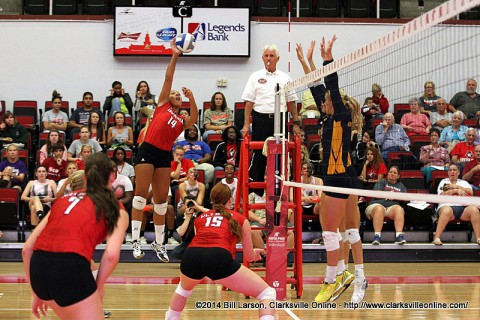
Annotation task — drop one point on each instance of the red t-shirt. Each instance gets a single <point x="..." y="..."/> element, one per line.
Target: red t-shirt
<point x="212" y="231"/>
<point x="186" y="164"/>
<point x="465" y="153"/>
<point x="80" y="164"/>
<point x="73" y="227"/>
<point x="372" y="173"/>
<point x="55" y="171"/>
<point x="475" y="179"/>
<point x="164" y="128"/>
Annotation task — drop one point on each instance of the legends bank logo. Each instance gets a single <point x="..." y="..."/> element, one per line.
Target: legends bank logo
<point x="214" y="32"/>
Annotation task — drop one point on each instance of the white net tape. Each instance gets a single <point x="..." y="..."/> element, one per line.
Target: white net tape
<point x="428" y="198"/>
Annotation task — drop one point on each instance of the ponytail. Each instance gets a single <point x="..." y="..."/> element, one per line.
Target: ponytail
<point x="98" y="168"/>
<point x="219" y="196"/>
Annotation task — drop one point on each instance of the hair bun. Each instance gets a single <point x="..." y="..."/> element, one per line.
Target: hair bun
<point x="56" y="95"/>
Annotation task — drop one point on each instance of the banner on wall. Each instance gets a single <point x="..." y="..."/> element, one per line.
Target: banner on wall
<point x="148" y="30"/>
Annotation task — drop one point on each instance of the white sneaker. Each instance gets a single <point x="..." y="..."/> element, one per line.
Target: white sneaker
<point x="143" y="241"/>
<point x="128" y="238"/>
<point x="137" y="250"/>
<point x="160" y="251"/>
<point x="359" y="287"/>
<point x="173" y="241"/>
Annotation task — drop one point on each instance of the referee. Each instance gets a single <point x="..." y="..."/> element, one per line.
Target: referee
<point x="259" y="96"/>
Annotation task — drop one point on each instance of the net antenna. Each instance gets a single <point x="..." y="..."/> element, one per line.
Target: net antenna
<point x="448" y="10"/>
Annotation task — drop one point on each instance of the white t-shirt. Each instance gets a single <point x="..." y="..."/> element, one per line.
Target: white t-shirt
<point x="260" y="89"/>
<point x="460" y="182"/>
<point x="233" y="188"/>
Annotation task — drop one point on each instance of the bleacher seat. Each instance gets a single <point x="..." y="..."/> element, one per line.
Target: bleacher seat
<point x="214" y="140"/>
<point x="2" y="108"/>
<point x="417" y="141"/>
<point x="64" y="6"/>
<point x="36" y="6"/>
<point x="26" y="108"/>
<point x="412" y="179"/>
<point x="395" y="158"/>
<point x="470" y="122"/>
<point x="270" y="8"/>
<point x="327" y="8"/>
<point x="437" y="176"/>
<point x="416" y="219"/>
<point x="96" y="7"/>
<point x="358" y="9"/>
<point x="306" y="8"/>
<point x="399" y="109"/>
<point x="310" y="126"/>
<point x="389" y="9"/>
<point x="10" y="210"/>
<point x="239" y="114"/>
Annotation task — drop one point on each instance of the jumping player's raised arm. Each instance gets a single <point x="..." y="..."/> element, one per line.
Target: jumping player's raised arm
<point x="167" y="85"/>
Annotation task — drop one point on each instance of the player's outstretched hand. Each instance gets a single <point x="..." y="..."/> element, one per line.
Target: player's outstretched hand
<point x="173" y="45"/>
<point x="326" y="49"/>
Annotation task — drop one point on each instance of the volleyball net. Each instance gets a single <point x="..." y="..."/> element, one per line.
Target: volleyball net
<point x="427" y="49"/>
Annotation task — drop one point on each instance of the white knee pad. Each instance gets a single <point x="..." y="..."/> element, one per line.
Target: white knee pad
<point x="160" y="208"/>
<point x="353" y="235"/>
<point x="184" y="293"/>
<point x="330" y="239"/>
<point x="139" y="202"/>
<point x="268" y="294"/>
<point x="344" y="236"/>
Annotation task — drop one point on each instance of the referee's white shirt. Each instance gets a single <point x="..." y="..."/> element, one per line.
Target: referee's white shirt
<point x="260" y="89"/>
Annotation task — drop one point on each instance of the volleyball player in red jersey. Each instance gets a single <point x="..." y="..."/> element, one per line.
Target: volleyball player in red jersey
<point x="152" y="163"/>
<point x="57" y="254"/>
<point x="212" y="254"/>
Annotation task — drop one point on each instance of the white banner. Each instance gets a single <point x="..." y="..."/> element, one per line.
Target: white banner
<point x="148" y="31"/>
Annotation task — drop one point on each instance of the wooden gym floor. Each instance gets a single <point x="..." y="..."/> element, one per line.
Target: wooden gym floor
<point x="143" y="291"/>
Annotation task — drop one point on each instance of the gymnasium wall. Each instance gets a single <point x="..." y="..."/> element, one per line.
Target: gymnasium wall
<point x="76" y="56"/>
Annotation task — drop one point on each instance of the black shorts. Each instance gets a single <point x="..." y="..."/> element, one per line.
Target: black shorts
<point x="215" y="263"/>
<point x="65" y="278"/>
<point x="348" y="179"/>
<point x="148" y="153"/>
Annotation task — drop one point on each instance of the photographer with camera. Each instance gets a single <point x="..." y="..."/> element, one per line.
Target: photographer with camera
<point x="191" y="193"/>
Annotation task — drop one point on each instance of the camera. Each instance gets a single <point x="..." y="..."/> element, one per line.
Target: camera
<point x="190" y="204"/>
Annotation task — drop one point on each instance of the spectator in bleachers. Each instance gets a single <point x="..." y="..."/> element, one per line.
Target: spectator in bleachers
<point x="39" y="194"/>
<point x="63" y="186"/>
<point x="415" y="122"/>
<point x="54" y="139"/>
<point x="55" y="118"/>
<point x="441" y="118"/>
<point x="359" y="151"/>
<point x="380" y="208"/>
<point x="477" y="129"/>
<point x="190" y="189"/>
<point x="141" y="135"/>
<point x="123" y="167"/>
<point x="310" y="197"/>
<point x="452" y="186"/>
<point x="96" y="128"/>
<point x="454" y="133"/>
<point x="123" y="189"/>
<point x="471" y="170"/>
<point x="309" y="108"/>
<point x="144" y="99"/>
<point x="464" y="151"/>
<point x="118" y="101"/>
<point x="230" y="181"/>
<point x="390" y="136"/>
<point x="79" y="117"/>
<point x="76" y="146"/>
<point x="228" y="151"/>
<point x="468" y="101"/>
<point x="12" y="132"/>
<point x="85" y="152"/>
<point x="428" y="100"/>
<point x="218" y="117"/>
<point x="374" y="169"/>
<point x="379" y="98"/>
<point x="370" y="111"/>
<point x="56" y="166"/>
<point x="120" y="135"/>
<point x="433" y="155"/>
<point x="199" y="152"/>
<point x="179" y="165"/>
<point x="13" y="170"/>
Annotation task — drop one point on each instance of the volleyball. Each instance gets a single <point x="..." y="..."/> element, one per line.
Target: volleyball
<point x="185" y="42"/>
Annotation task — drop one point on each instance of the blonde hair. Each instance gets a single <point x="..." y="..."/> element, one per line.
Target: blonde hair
<point x="376" y="87"/>
<point x="270" y="47"/>
<point x="77" y="181"/>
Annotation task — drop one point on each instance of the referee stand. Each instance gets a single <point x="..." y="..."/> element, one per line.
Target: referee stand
<point x="277" y="205"/>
